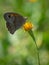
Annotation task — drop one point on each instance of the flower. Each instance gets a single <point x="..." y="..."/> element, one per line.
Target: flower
<point x="32" y="1"/>
<point x="28" y="26"/>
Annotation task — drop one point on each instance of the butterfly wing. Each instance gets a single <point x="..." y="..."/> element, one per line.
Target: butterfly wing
<point x="10" y="27"/>
<point x="15" y="22"/>
<point x="19" y="21"/>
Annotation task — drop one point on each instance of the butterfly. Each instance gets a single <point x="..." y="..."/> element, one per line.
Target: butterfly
<point x="14" y="21"/>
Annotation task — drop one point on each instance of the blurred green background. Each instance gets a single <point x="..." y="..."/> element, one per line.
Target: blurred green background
<point x="19" y="48"/>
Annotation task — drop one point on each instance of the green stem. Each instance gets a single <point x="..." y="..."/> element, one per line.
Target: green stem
<point x="32" y="35"/>
<point x="38" y="54"/>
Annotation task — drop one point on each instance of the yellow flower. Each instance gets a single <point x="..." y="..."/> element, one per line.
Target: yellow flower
<point x="32" y="1"/>
<point x="28" y="26"/>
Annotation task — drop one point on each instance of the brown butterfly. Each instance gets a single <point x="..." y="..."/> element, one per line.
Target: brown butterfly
<point x="13" y="21"/>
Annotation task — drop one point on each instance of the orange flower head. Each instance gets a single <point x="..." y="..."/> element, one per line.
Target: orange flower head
<point x="28" y="26"/>
<point x="33" y="1"/>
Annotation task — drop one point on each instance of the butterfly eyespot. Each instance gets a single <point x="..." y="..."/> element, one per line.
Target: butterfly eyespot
<point x="9" y="16"/>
